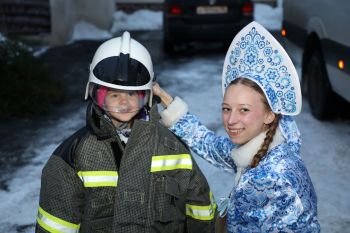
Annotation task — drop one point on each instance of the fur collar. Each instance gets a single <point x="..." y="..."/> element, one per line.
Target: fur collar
<point x="243" y="155"/>
<point x="177" y="109"/>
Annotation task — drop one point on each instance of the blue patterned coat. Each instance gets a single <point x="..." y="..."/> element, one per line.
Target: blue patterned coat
<point x="275" y="196"/>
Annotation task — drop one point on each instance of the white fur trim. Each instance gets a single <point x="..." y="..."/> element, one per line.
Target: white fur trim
<point x="173" y="112"/>
<point x="244" y="154"/>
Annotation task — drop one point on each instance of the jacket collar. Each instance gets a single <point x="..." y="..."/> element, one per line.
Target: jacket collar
<point x="243" y="155"/>
<point x="101" y="125"/>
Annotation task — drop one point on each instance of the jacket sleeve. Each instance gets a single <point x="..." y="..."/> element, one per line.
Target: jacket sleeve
<point x="204" y="142"/>
<point x="200" y="204"/>
<point x="61" y="198"/>
<point x="214" y="149"/>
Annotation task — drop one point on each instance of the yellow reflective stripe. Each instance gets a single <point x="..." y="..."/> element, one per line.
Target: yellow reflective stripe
<point x="99" y="178"/>
<point x="55" y="225"/>
<point x="212" y="199"/>
<point x="171" y="162"/>
<point x="202" y="212"/>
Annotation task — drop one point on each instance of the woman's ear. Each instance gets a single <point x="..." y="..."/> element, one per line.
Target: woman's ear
<point x="269" y="117"/>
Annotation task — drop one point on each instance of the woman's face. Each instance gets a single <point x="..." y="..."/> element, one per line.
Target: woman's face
<point x="244" y="113"/>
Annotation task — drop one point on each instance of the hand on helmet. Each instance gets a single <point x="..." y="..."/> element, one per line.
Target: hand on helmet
<point x="165" y="98"/>
<point x="157" y="90"/>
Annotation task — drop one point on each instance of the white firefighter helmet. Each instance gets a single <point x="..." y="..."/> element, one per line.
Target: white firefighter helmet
<point x="120" y="63"/>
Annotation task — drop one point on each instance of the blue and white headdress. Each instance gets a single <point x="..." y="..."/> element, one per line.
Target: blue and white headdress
<point x="255" y="54"/>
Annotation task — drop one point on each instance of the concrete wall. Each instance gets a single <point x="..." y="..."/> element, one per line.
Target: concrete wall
<point x="98" y="12"/>
<point x="65" y="13"/>
<point x="62" y="20"/>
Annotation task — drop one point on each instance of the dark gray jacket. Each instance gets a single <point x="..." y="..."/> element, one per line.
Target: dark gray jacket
<point x="94" y="183"/>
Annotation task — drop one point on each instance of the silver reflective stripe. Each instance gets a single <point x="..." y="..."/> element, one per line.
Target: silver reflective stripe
<point x="171" y="162"/>
<point x="54" y="224"/>
<point x="99" y="178"/>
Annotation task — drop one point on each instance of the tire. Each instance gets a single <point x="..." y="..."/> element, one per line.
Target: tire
<point x="303" y="83"/>
<point x="320" y="94"/>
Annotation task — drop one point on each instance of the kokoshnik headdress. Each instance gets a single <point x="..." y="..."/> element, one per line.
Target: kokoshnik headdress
<point x="256" y="55"/>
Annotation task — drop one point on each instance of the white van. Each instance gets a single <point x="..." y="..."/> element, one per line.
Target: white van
<point x="317" y="36"/>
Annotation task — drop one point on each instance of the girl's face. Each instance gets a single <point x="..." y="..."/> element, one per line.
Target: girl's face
<point x="122" y="105"/>
<point x="244" y="113"/>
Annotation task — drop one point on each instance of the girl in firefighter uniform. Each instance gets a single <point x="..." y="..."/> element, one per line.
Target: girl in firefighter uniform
<point x="123" y="171"/>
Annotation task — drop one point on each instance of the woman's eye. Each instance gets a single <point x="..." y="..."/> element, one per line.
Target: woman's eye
<point x="225" y="109"/>
<point x="244" y="110"/>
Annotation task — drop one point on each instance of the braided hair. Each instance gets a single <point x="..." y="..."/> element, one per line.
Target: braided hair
<point x="267" y="141"/>
<point x="271" y="128"/>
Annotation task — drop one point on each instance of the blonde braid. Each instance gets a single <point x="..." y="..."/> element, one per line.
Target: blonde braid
<point x="267" y="141"/>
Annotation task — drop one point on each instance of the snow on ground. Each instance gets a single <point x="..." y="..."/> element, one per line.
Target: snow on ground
<point x="19" y="203"/>
<point x="2" y="37"/>
<point x="139" y="20"/>
<point x="88" y="31"/>
<point x="326" y="153"/>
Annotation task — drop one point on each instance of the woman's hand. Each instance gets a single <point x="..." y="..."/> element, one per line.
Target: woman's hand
<point x="165" y="98"/>
<point x="157" y="90"/>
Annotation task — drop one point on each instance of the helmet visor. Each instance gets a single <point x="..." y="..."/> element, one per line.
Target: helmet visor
<point x="115" y="100"/>
<point x="122" y="70"/>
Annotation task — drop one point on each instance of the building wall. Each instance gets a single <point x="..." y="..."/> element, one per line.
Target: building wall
<point x="25" y="17"/>
<point x="99" y="12"/>
<point x="62" y="20"/>
<point x="65" y="13"/>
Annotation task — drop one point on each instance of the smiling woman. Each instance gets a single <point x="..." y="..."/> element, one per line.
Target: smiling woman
<point x="272" y="191"/>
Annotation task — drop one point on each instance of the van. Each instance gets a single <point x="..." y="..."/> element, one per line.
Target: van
<point x="317" y="37"/>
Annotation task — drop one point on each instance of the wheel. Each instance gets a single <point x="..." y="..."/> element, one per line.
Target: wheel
<point x="320" y="94"/>
<point x="303" y="83"/>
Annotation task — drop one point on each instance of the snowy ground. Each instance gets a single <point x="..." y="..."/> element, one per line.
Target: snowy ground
<point x="326" y="148"/>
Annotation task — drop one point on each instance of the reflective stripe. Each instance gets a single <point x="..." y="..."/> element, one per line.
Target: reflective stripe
<point x="55" y="225"/>
<point x="99" y="178"/>
<point x="202" y="212"/>
<point x="171" y="162"/>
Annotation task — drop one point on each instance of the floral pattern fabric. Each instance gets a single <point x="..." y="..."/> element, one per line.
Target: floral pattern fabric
<point x="256" y="55"/>
<point x="275" y="196"/>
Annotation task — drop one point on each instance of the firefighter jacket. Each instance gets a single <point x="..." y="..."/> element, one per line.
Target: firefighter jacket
<point x="95" y="183"/>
